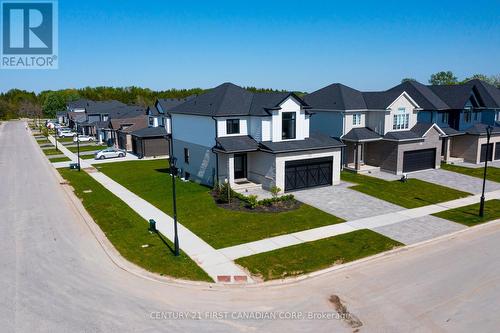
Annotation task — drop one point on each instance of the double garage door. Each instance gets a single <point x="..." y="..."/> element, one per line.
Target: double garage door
<point x="490" y="152"/>
<point x="422" y="159"/>
<point x="308" y="173"/>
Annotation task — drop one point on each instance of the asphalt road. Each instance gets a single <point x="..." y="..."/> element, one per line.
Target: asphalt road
<point x="55" y="277"/>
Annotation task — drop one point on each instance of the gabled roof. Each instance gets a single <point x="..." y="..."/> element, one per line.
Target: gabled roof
<point x="417" y="132"/>
<point x="117" y="123"/>
<point x="421" y="94"/>
<point x="81" y="103"/>
<point x="455" y="96"/>
<point x="231" y="100"/>
<point x="361" y="134"/>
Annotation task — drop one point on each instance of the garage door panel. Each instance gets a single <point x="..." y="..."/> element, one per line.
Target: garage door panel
<point x="422" y="159"/>
<point x="483" y="152"/>
<point x="308" y="173"/>
<point x="497" y="151"/>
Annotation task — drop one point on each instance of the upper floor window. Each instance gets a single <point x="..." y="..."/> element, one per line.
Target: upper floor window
<point x="356" y="119"/>
<point x="151" y="121"/>
<point x="444" y="117"/>
<point x="401" y="120"/>
<point x="232" y="126"/>
<point x="288" y="125"/>
<point x="467" y="116"/>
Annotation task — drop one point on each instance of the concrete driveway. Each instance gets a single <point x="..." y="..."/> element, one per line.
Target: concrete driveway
<point x="454" y="180"/>
<point x="343" y="202"/>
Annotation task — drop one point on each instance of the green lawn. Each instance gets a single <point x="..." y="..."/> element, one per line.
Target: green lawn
<point x="493" y="173"/>
<point x="469" y="215"/>
<point x="197" y="210"/>
<point x="312" y="256"/>
<point x="51" y="151"/>
<point x="412" y="194"/>
<point x="59" y="159"/>
<point x="87" y="148"/>
<point x="65" y="140"/>
<point x="128" y="232"/>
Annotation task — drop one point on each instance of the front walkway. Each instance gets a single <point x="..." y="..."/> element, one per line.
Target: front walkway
<point x="212" y="261"/>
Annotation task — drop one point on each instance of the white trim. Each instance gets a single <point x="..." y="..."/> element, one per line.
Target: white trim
<point x="404" y="93"/>
<point x="437" y="128"/>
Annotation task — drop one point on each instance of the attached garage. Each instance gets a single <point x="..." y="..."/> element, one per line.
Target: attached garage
<point x="483" y="152"/>
<point x="415" y="160"/>
<point x="308" y="173"/>
<point x="150" y="141"/>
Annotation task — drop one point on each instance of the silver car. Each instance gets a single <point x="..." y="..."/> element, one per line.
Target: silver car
<point x="110" y="153"/>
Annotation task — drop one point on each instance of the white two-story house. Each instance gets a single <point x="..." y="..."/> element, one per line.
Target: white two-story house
<point x="380" y="129"/>
<point x="230" y="134"/>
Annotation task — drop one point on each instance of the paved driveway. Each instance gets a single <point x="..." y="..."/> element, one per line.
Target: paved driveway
<point x="343" y="202"/>
<point x="455" y="180"/>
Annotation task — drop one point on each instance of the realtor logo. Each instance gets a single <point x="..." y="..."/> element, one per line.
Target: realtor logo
<point x="29" y="35"/>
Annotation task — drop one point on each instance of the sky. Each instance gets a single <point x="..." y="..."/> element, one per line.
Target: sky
<point x="292" y="45"/>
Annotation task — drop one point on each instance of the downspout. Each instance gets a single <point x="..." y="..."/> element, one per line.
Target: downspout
<point x="343" y="158"/>
<point x="216" y="155"/>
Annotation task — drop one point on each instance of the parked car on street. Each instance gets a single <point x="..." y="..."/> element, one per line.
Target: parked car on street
<point x="110" y="153"/>
<point x="67" y="134"/>
<point x="83" y="138"/>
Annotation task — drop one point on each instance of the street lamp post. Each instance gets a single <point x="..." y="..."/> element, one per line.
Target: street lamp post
<point x="173" y="172"/>
<point x="78" y="146"/>
<point x="488" y="136"/>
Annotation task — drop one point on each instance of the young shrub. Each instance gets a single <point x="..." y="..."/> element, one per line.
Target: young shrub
<point x="275" y="190"/>
<point x="252" y="201"/>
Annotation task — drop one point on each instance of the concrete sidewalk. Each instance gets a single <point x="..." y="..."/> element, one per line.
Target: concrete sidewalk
<point x="374" y="223"/>
<point x="216" y="264"/>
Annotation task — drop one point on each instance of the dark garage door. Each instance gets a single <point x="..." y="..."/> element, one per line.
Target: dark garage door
<point x="415" y="160"/>
<point x="483" y="152"/>
<point x="308" y="173"/>
<point x="497" y="151"/>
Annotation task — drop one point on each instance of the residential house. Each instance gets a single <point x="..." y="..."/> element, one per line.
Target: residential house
<point x="464" y="112"/>
<point x="123" y="127"/>
<point x="230" y="134"/>
<point x="380" y="129"/>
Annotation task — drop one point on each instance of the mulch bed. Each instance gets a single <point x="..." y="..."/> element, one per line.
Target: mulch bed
<point x="239" y="205"/>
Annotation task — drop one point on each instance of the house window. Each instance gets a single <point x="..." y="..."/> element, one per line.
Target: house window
<point x="476" y="115"/>
<point x="401" y="120"/>
<point x="232" y="126"/>
<point x="444" y="117"/>
<point x="288" y="125"/>
<point x="105" y="117"/>
<point x="356" y="119"/>
<point x="186" y="155"/>
<point x="151" y="121"/>
<point x="467" y="116"/>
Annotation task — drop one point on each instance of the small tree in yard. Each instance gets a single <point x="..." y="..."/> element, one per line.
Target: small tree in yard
<point x="275" y="190"/>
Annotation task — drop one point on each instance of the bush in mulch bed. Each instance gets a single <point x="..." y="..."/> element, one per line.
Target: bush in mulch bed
<point x="237" y="201"/>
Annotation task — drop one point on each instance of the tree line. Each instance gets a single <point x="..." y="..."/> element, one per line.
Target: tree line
<point x="18" y="103"/>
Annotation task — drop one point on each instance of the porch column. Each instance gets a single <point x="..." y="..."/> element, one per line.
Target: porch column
<point x="446" y="153"/>
<point x="356" y="156"/>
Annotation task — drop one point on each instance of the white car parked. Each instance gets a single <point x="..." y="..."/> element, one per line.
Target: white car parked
<point x="67" y="134"/>
<point x="110" y="153"/>
<point x="83" y="138"/>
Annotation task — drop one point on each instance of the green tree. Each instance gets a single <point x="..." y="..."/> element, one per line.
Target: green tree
<point x="407" y="79"/>
<point x="53" y="103"/>
<point x="442" y="78"/>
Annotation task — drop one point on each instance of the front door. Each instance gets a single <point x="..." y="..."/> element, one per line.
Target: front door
<point x="240" y="166"/>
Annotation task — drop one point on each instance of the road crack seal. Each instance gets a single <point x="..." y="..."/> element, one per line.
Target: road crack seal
<point x="344" y="314"/>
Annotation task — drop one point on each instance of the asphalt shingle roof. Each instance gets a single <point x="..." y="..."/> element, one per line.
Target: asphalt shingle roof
<point x="231" y="100"/>
<point x="336" y="97"/>
<point x="167" y="103"/>
<point x="480" y="129"/>
<point x="315" y="141"/>
<point x="150" y="132"/>
<point x="361" y="134"/>
<point x="234" y="144"/>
